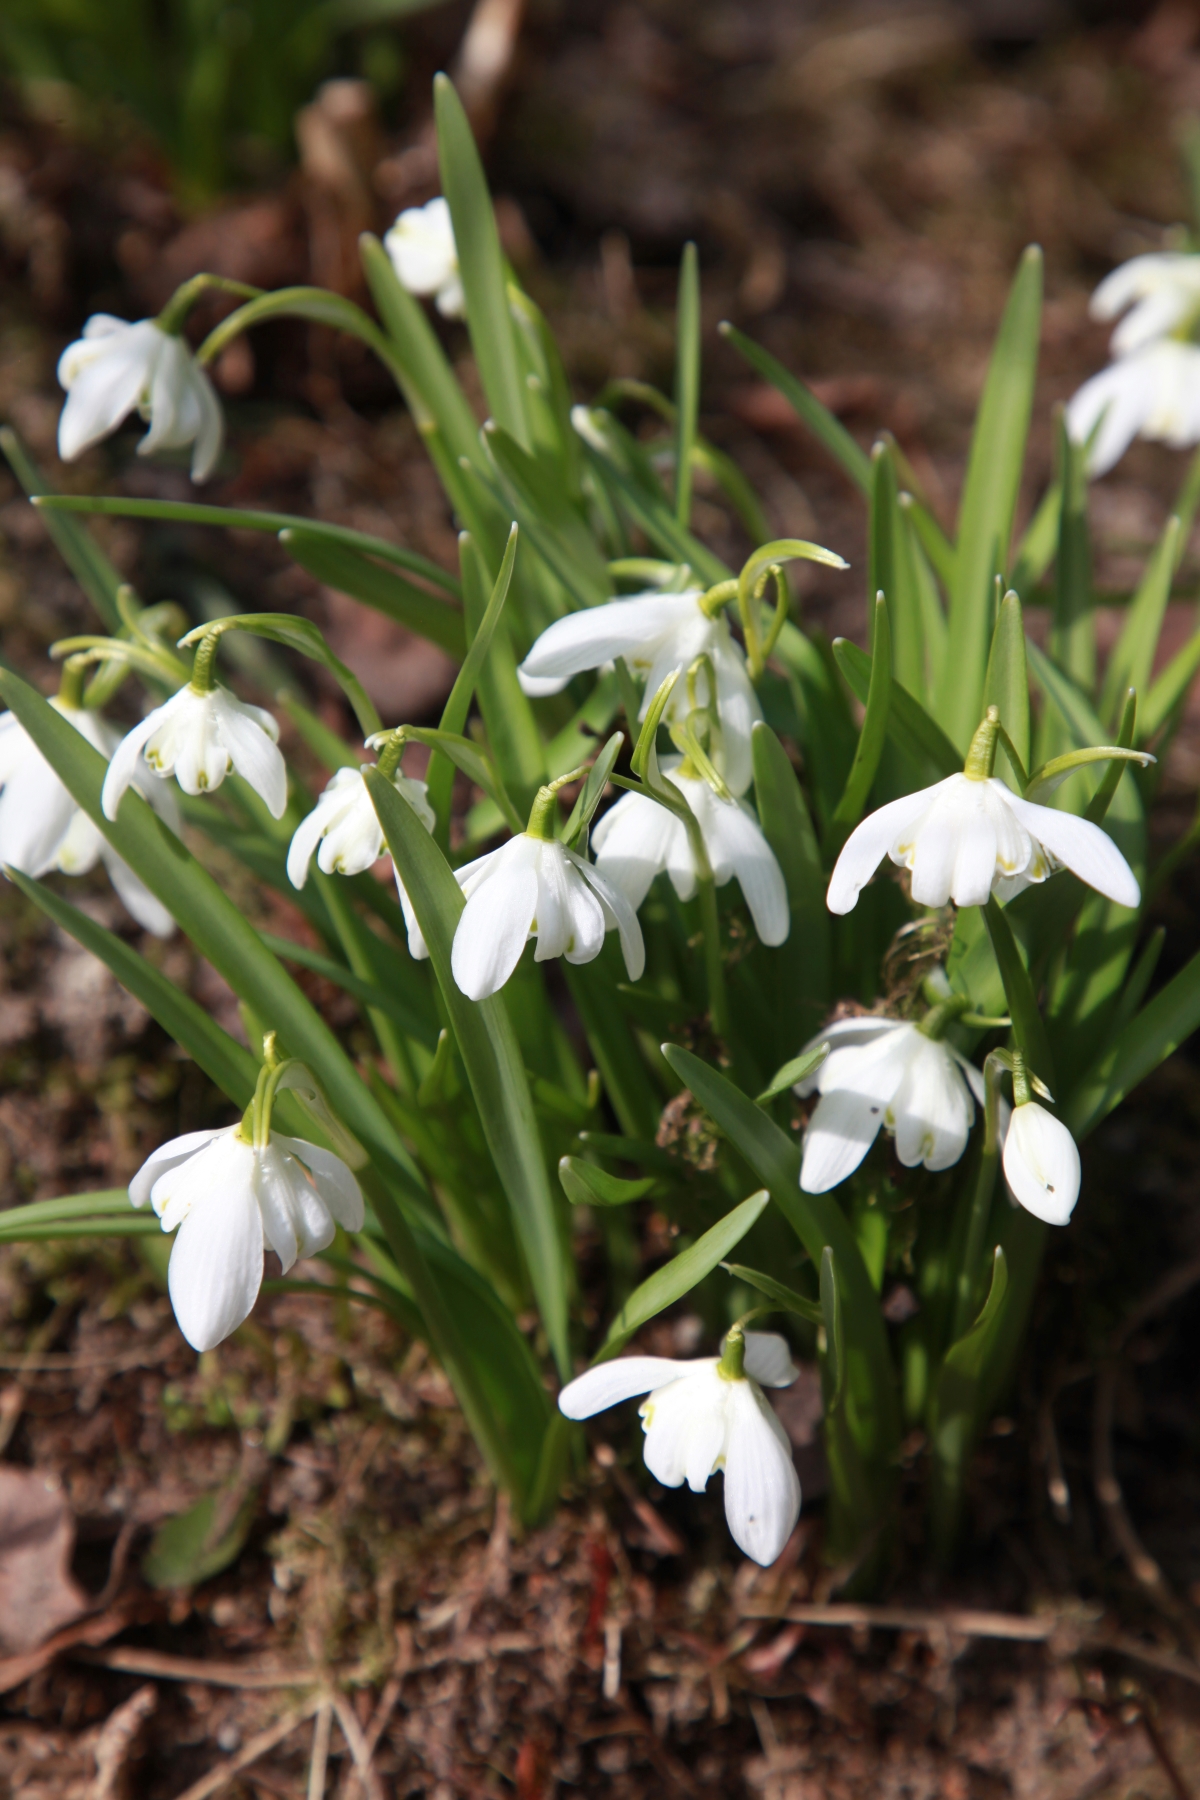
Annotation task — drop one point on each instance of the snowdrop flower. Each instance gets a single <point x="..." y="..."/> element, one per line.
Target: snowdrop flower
<point x="42" y="828"/>
<point x="343" y="828"/>
<point x="970" y="836"/>
<point x="1163" y="291"/>
<point x="637" y="839"/>
<point x="425" y="256"/>
<point x="230" y="1198"/>
<point x="710" y="1414"/>
<point x="657" y="634"/>
<point x="1153" y="393"/>
<point x="198" y="736"/>
<point x="889" y="1073"/>
<point x="117" y="368"/>
<point x="1041" y="1163"/>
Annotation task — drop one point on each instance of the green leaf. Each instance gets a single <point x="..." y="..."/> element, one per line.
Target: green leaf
<point x="512" y="730"/>
<point x="1073" y="625"/>
<point x="990" y="499"/>
<point x="1028" y="1028"/>
<point x="317" y="305"/>
<point x="440" y="774"/>
<point x="592" y="792"/>
<point x="954" y="1420"/>
<point x="891" y="571"/>
<point x="681" y="1274"/>
<point x="197" y="1544"/>
<point x="817" y="1220"/>
<point x="785" y="1297"/>
<point x="74" y="543"/>
<point x="934" y="543"/>
<point x="849" y="808"/>
<point x="687" y="379"/>
<point x="370" y="993"/>
<point x="1036" y="550"/>
<point x="829" y="432"/>
<point x="384" y="590"/>
<point x="1131" y="661"/>
<point x="802" y="963"/>
<point x="586" y="1185"/>
<point x="1139" y="1047"/>
<point x="491" y="1056"/>
<point x="306" y="638"/>
<point x="106" y="1213"/>
<point x="480" y="262"/>
<point x="475" y="764"/>
<point x="909" y="726"/>
<point x="797" y="1070"/>
<point x="1007" y="683"/>
<point x="1169" y="689"/>
<point x="557" y="528"/>
<point x="650" y="513"/>
<point x="237" y="518"/>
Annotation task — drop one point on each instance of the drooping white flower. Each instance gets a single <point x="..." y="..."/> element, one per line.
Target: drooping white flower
<point x="425" y="256"/>
<point x="886" y="1073"/>
<point x="637" y="839"/>
<point x="657" y="634"/>
<point x="117" y="368"/>
<point x="198" y="737"/>
<point x="42" y="828"/>
<point x="698" y="1420"/>
<point x="229" y="1200"/>
<point x="964" y="837"/>
<point x="1163" y="290"/>
<point x="1154" y="393"/>
<point x="1041" y="1163"/>
<point x="531" y="887"/>
<point x="343" y="828"/>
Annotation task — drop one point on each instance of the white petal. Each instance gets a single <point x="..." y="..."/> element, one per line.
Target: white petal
<point x="932" y="1109"/>
<point x="334" y="1181"/>
<point x="684" y="1424"/>
<point x="216" y="1266"/>
<point x="211" y="434"/>
<point x="168" y="1156"/>
<point x="631" y="844"/>
<point x="768" y="1359"/>
<point x="136" y="897"/>
<point x="165" y="403"/>
<point x="253" y="753"/>
<point x="1120" y="396"/>
<point x="841" y="1032"/>
<point x="762" y="1489"/>
<point x="296" y="1221"/>
<point x="305" y="838"/>
<point x="107" y="389"/>
<point x="495" y="923"/>
<point x="758" y="873"/>
<point x="36" y="813"/>
<point x="126" y="758"/>
<point x="1081" y="847"/>
<point x="840" y="1133"/>
<point x="739" y="711"/>
<point x="1041" y="1164"/>
<point x="867" y="846"/>
<point x="611" y="1382"/>
<point x="620" y="911"/>
<point x="556" y="917"/>
<point x="630" y="628"/>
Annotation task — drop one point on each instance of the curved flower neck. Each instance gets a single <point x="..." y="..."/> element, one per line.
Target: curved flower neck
<point x="981" y="757"/>
<point x="732" y="1366"/>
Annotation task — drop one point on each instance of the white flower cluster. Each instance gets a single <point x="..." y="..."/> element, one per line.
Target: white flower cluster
<point x="1151" y="388"/>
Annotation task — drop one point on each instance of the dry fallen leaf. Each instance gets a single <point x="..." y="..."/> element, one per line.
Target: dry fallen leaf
<point x="38" y="1593"/>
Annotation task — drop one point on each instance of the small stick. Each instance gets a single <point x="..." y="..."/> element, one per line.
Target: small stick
<point x="319" y="1761"/>
<point x="217" y="1778"/>
<point x="159" y="1664"/>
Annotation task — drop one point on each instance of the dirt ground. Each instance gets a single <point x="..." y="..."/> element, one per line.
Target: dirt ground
<point x="860" y="181"/>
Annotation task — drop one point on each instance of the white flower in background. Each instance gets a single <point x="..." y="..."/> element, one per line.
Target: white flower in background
<point x="1041" y="1164"/>
<point x="198" y="737"/>
<point x="425" y="256"/>
<point x="343" y="828"/>
<point x="657" y="634"/>
<point x="1153" y="393"/>
<point x="229" y="1200"/>
<point x="531" y="887"/>
<point x="965" y="837"/>
<point x="117" y="368"/>
<point x="886" y="1073"/>
<point x="42" y="828"/>
<point x="699" y="1419"/>
<point x="637" y="839"/>
<point x="1164" y="292"/>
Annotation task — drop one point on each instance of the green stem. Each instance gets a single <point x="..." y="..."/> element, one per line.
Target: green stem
<point x="174" y="314"/>
<point x="718" y="1003"/>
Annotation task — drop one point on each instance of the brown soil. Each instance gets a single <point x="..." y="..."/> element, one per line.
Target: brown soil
<point x="860" y="182"/>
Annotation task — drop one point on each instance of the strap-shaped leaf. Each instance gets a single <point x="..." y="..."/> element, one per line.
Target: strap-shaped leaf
<point x="545" y="509"/>
<point x="586" y="1185"/>
<point x="784" y="1297"/>
<point x="1131" y="661"/>
<point x="491" y="1056"/>
<point x="990" y="499"/>
<point x="1028" y="1027"/>
<point x="829" y="432"/>
<point x="384" y="590"/>
<point x="802" y="963"/>
<point x="1169" y="688"/>
<point x="480" y="261"/>
<point x="74" y="543"/>
<point x="592" y="792"/>
<point x="306" y="638"/>
<point x="656" y="519"/>
<point x="475" y="764"/>
<point x="512" y="731"/>
<point x="798" y="1069"/>
<point x="871" y="737"/>
<point x="103" y="1214"/>
<point x="1007" y="682"/>
<point x="440" y="775"/>
<point x="687" y="379"/>
<point x="955" y="1417"/>
<point x="1170" y="1018"/>
<point x="681" y="1274"/>
<point x="370" y="993"/>
<point x="909" y="725"/>
<point x="1073" y="623"/>
<point x="1036" y="550"/>
<point x="817" y="1220"/>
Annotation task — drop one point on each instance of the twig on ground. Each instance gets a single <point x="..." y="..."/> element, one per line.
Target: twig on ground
<point x="1162" y="1750"/>
<point x="362" y="1753"/>
<point x="116" y="1740"/>
<point x="217" y="1778"/>
<point x="319" y="1761"/>
<point x="217" y="1674"/>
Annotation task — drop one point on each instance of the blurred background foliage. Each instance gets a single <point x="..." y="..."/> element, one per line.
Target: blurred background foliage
<point x="215" y="85"/>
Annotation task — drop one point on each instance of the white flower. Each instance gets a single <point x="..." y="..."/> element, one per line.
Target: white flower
<point x="116" y="368"/>
<point x="885" y="1072"/>
<point x="656" y="634"/>
<point x="1153" y="393"/>
<point x="963" y="838"/>
<point x="1162" y="289"/>
<point x="198" y="738"/>
<point x="530" y="888"/>
<point x="1041" y="1164"/>
<point x="41" y="827"/>
<point x="698" y="1420"/>
<point x="345" y="826"/>
<point x="425" y="256"/>
<point x="229" y="1199"/>
<point x="637" y="839"/>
